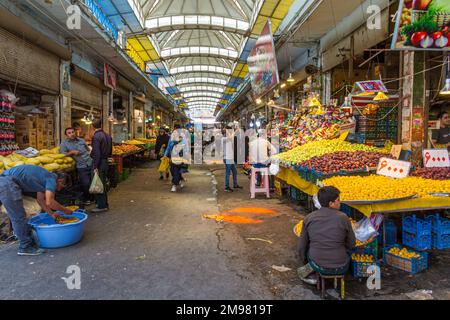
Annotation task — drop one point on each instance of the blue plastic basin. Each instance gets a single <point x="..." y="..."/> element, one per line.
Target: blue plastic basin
<point x="52" y="235"/>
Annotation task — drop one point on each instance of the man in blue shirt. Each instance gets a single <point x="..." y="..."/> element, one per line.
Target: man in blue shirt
<point x="34" y="179"/>
<point x="77" y="148"/>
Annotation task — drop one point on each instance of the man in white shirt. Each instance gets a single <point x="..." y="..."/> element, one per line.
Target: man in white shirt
<point x="259" y="153"/>
<point x="228" y="159"/>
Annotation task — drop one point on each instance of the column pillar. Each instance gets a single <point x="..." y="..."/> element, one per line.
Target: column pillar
<point x="413" y="104"/>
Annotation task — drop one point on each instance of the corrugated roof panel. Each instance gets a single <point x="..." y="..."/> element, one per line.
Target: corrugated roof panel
<point x="268" y="7"/>
<point x="282" y="9"/>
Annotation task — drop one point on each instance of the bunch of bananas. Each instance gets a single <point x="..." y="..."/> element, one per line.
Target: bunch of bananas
<point x="362" y="257"/>
<point x="404" y="253"/>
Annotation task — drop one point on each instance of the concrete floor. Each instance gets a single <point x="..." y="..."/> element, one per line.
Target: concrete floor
<point x="153" y="244"/>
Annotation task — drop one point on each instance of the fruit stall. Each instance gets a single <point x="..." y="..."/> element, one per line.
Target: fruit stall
<point x="128" y="151"/>
<point x="312" y="125"/>
<point x="51" y="160"/>
<point x="368" y="195"/>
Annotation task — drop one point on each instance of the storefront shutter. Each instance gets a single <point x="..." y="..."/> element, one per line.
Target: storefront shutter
<point x="85" y="93"/>
<point x="23" y="62"/>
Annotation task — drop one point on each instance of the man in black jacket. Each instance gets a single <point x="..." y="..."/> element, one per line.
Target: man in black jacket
<point x="101" y="151"/>
<point x="162" y="141"/>
<point x="327" y="238"/>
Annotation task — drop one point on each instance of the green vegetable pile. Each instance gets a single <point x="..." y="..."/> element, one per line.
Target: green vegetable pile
<point x="424" y="24"/>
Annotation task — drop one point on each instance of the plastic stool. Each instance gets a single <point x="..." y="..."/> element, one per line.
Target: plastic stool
<point x="321" y="283"/>
<point x="266" y="187"/>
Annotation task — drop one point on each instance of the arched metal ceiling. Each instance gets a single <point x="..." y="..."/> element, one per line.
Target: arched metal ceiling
<point x="200" y="46"/>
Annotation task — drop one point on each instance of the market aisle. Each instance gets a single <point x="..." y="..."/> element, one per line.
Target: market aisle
<point x="152" y="245"/>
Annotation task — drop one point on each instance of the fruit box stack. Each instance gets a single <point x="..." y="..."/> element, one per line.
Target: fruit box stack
<point x="440" y="231"/>
<point x="417" y="233"/>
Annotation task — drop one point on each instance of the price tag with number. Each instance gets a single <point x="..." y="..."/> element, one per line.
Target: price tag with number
<point x="436" y="158"/>
<point x="393" y="168"/>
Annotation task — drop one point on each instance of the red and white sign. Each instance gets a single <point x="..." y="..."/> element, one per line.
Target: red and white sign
<point x="371" y="86"/>
<point x="393" y="168"/>
<point x="436" y="158"/>
<point x="110" y="76"/>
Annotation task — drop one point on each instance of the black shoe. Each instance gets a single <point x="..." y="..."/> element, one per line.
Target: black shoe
<point x="30" y="251"/>
<point x="161" y="178"/>
<point x="228" y="190"/>
<point x="237" y="187"/>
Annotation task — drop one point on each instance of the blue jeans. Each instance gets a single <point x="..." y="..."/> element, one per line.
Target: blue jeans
<point x="102" y="199"/>
<point x="85" y="177"/>
<point x="11" y="198"/>
<point x="230" y="168"/>
<point x="258" y="176"/>
<point x="175" y="171"/>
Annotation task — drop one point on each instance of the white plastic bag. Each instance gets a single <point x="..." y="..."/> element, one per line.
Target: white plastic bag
<point x="96" y="184"/>
<point x="365" y="230"/>
<point x="274" y="169"/>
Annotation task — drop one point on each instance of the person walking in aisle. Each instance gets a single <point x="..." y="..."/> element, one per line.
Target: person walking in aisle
<point x="228" y="159"/>
<point x="162" y="141"/>
<point x="176" y="167"/>
<point x="101" y="151"/>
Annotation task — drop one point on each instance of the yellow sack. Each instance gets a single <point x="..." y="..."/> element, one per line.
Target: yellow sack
<point x="164" y="166"/>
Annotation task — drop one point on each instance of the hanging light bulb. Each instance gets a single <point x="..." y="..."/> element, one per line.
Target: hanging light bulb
<point x="283" y="85"/>
<point x="290" y="79"/>
<point x="381" y="96"/>
<point x="258" y="101"/>
<point x="276" y="94"/>
<point x="258" y="123"/>
<point x="251" y="125"/>
<point x="346" y="103"/>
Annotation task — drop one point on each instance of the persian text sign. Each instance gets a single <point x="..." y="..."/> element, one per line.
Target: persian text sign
<point x="436" y="158"/>
<point x="393" y="168"/>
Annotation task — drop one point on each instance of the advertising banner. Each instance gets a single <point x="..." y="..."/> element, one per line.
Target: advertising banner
<point x="110" y="77"/>
<point x="262" y="64"/>
<point x="422" y="25"/>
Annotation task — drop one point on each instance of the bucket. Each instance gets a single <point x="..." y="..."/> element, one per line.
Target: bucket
<point x="51" y="235"/>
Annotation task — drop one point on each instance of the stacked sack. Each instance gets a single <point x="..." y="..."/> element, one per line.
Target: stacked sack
<point x="51" y="160"/>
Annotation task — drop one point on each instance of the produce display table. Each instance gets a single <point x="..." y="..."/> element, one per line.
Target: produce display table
<point x="291" y="177"/>
<point x="417" y="204"/>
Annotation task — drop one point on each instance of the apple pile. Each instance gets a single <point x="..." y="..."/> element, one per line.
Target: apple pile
<point x="342" y="161"/>
<point x="433" y="173"/>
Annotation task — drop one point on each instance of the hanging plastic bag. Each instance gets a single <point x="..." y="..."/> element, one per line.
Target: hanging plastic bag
<point x="365" y="230"/>
<point x="274" y="169"/>
<point x="164" y="166"/>
<point x="96" y="184"/>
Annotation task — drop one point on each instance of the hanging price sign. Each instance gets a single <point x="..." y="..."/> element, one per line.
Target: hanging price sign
<point x="393" y="168"/>
<point x="436" y="158"/>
